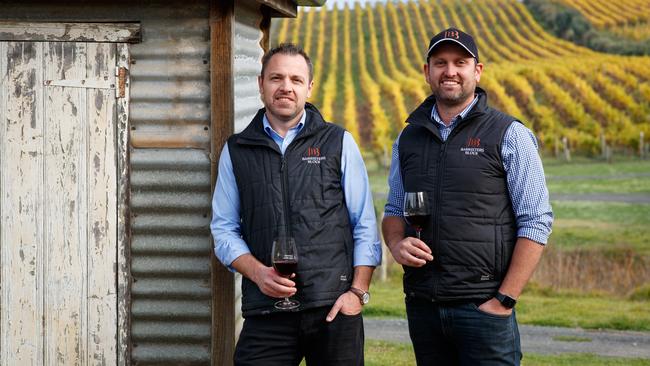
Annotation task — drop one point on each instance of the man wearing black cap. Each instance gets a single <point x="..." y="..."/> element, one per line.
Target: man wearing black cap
<point x="490" y="215"/>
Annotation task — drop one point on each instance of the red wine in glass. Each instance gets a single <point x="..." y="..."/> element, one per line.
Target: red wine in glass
<point x="285" y="262"/>
<point x="416" y="210"/>
<point x="285" y="267"/>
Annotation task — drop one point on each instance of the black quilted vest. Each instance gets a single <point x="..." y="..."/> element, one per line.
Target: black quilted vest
<point x="299" y="193"/>
<point x="472" y="231"/>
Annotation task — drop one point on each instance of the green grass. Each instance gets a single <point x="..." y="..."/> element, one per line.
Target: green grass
<point x="587" y="311"/>
<point x="537" y="307"/>
<point x="631" y="185"/>
<point x="554" y="168"/>
<point x="581" y="359"/>
<point x="617" y="177"/>
<point x="381" y="353"/>
<point x="388" y="353"/>
<point x="605" y="225"/>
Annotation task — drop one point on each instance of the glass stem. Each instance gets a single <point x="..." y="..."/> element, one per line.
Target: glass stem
<point x="418" y="232"/>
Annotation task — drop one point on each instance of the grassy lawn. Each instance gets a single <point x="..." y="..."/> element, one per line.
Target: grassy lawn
<point x="616" y="177"/>
<point x="379" y="353"/>
<point x="554" y="168"/>
<point x="604" y="225"/>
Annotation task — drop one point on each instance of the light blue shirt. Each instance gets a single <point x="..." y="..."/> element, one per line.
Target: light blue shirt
<point x="225" y="224"/>
<point x="524" y="175"/>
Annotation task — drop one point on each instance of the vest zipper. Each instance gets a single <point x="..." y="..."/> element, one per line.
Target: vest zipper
<point x="436" y="216"/>
<point x="284" y="182"/>
<point x="438" y="198"/>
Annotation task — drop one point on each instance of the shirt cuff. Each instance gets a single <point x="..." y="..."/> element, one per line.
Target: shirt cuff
<point x="371" y="257"/>
<point x="227" y="252"/>
<point x="536" y="235"/>
<point x="389" y="212"/>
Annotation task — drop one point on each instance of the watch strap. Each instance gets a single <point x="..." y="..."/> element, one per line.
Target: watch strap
<point x="362" y="295"/>
<point x="505" y="300"/>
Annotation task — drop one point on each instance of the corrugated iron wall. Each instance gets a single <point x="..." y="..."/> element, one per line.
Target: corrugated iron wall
<point x="170" y="186"/>
<point x="246" y="66"/>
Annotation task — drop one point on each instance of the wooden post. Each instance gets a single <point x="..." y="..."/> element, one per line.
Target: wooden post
<point x="603" y="146"/>
<point x="565" y="146"/>
<point x="641" y="143"/>
<point x="222" y="112"/>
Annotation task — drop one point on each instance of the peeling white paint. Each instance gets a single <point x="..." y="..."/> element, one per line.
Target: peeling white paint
<point x="58" y="183"/>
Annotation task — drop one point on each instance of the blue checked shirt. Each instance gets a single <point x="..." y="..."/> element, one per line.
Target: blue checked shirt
<point x="524" y="174"/>
<point x="225" y="224"/>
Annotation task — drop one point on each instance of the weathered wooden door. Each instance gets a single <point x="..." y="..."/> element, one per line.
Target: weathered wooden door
<point x="58" y="203"/>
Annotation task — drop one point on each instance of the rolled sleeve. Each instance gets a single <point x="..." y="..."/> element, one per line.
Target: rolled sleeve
<point x="395" y="198"/>
<point x="527" y="184"/>
<point x="225" y="224"/>
<point x="358" y="199"/>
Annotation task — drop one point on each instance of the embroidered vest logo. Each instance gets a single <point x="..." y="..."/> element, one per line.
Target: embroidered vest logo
<point x="313" y="156"/>
<point x="473" y="146"/>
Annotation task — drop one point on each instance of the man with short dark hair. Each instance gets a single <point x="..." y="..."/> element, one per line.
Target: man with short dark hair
<point x="490" y="214"/>
<point x="290" y="173"/>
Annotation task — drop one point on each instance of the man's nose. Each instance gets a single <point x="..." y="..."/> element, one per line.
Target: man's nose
<point x="450" y="70"/>
<point x="285" y="85"/>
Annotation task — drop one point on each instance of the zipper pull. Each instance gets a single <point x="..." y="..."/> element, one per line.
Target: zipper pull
<point x="282" y="165"/>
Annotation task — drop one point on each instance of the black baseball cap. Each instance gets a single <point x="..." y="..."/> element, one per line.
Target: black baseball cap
<point x="454" y="35"/>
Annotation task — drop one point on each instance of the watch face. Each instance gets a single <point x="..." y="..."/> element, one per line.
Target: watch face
<point x="365" y="298"/>
<point x="506" y="301"/>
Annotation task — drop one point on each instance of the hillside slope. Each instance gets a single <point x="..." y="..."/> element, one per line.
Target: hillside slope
<point x="368" y="63"/>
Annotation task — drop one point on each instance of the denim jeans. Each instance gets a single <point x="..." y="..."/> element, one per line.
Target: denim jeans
<point x="283" y="339"/>
<point x="461" y="334"/>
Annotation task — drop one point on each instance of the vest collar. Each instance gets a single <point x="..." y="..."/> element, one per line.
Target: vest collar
<point x="254" y="133"/>
<point x="421" y="116"/>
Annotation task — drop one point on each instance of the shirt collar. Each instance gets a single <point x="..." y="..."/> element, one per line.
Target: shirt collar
<point x="297" y="128"/>
<point x="436" y="117"/>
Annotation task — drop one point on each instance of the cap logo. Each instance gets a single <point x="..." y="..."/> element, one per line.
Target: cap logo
<point x="452" y="34"/>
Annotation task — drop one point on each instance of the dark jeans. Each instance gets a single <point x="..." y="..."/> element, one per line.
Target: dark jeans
<point x="285" y="338"/>
<point x="460" y="334"/>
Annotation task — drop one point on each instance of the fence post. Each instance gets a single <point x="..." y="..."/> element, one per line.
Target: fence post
<point x="603" y="146"/>
<point x="641" y="143"/>
<point x="565" y="145"/>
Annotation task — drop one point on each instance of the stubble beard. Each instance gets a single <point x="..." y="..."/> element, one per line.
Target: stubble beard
<point x="452" y="98"/>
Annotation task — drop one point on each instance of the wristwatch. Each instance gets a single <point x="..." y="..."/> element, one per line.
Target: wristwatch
<point x="505" y="300"/>
<point x="364" y="296"/>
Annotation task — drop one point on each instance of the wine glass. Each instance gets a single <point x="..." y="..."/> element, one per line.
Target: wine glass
<point x="416" y="210"/>
<point x="285" y="262"/>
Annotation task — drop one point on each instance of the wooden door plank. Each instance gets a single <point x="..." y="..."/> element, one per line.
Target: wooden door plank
<point x="21" y="211"/>
<point x="102" y="204"/>
<point x="65" y="180"/>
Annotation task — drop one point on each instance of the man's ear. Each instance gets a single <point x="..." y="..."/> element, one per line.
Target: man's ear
<point x="425" y="69"/>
